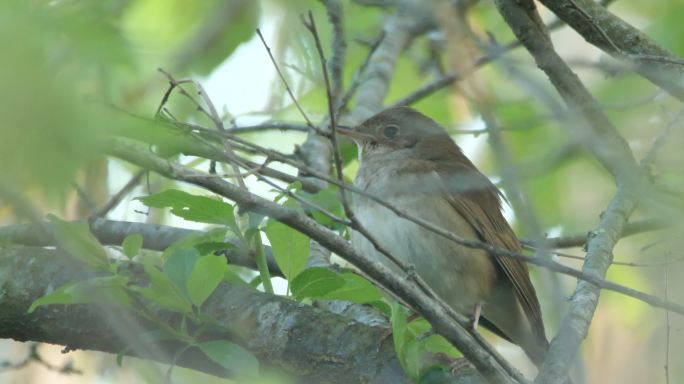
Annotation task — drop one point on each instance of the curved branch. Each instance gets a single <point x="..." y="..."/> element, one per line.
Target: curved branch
<point x="296" y="339"/>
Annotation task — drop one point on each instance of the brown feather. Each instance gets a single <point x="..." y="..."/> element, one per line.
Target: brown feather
<point x="480" y="204"/>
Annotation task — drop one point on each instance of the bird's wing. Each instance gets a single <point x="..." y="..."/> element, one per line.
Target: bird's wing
<point x="478" y="201"/>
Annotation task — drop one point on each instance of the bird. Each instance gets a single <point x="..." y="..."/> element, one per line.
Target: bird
<point x="410" y="161"/>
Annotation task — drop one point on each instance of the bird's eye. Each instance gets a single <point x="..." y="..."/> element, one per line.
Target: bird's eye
<point x="390" y="130"/>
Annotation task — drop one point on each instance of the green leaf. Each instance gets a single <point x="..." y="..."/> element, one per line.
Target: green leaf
<point x="47" y="149"/>
<point x="191" y="207"/>
<point x="213" y="246"/>
<point x="232" y="357"/>
<point x="77" y="240"/>
<point x="162" y="291"/>
<point x="399" y="330"/>
<point x="105" y="289"/>
<point x="327" y="199"/>
<point x="356" y="288"/>
<point x="290" y="248"/>
<point x="71" y="293"/>
<point x="213" y="235"/>
<point x="205" y="277"/>
<point x="438" y="344"/>
<point x="232" y="277"/>
<point x="179" y="265"/>
<point x="132" y="244"/>
<point x="315" y="283"/>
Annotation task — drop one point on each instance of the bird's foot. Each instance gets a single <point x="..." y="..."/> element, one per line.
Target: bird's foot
<point x="476" y="317"/>
<point x="459" y="365"/>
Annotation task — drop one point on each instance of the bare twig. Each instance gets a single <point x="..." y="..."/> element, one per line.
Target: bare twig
<point x="270" y="126"/>
<point x="212" y="114"/>
<point x="358" y="75"/>
<point x="287" y="86"/>
<point x="310" y="24"/>
<point x="580" y="240"/>
<point x="34" y="357"/>
<point x="661" y="139"/>
<point x="85" y="198"/>
<point x="339" y="46"/>
<point x="449" y="79"/>
<point x="116" y="199"/>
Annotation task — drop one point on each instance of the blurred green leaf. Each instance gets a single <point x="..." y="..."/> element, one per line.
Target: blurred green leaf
<point x="190" y="36"/>
<point x="438" y="344"/>
<point x="327" y="199"/>
<point x="214" y="235"/>
<point x="315" y="282"/>
<point x="179" y="265"/>
<point x="232" y="357"/>
<point x="71" y="293"/>
<point x="191" y="207"/>
<point x="48" y="130"/>
<point x="356" y="288"/>
<point x="131" y="245"/>
<point x="77" y="240"/>
<point x="162" y="291"/>
<point x="232" y="277"/>
<point x="399" y="330"/>
<point x="105" y="289"/>
<point x="213" y="246"/>
<point x="290" y="248"/>
<point x="208" y="272"/>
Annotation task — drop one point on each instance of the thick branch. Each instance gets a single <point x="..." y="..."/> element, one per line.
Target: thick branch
<point x="621" y="40"/>
<point x="311" y="345"/>
<point x="412" y="19"/>
<point x="611" y="150"/>
<point x="155" y="237"/>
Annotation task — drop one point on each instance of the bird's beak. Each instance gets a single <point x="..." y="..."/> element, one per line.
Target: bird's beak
<point x="351" y="133"/>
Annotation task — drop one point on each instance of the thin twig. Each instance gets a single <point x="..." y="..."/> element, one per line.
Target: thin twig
<point x="212" y="114"/>
<point x="34" y="357"/>
<point x="448" y="79"/>
<point x="358" y="75"/>
<point x="580" y="240"/>
<point x="287" y="86"/>
<point x="661" y="139"/>
<point x="624" y="263"/>
<point x="85" y="198"/>
<point x="270" y="126"/>
<point x="355" y="224"/>
<point x="339" y="46"/>
<point x="116" y="199"/>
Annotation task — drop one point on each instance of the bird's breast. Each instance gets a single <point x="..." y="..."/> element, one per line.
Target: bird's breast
<point x="461" y="276"/>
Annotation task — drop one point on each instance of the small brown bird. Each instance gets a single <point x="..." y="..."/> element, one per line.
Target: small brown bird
<point x="410" y="161"/>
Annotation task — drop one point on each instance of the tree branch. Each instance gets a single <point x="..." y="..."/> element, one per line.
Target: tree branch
<point x="599" y="134"/>
<point x="621" y="40"/>
<point x="296" y="339"/>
